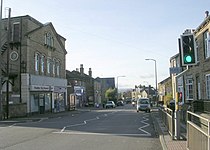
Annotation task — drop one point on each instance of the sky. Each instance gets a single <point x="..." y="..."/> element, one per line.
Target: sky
<point x="114" y="37"/>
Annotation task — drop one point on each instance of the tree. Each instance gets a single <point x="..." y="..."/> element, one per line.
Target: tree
<point x="110" y="94"/>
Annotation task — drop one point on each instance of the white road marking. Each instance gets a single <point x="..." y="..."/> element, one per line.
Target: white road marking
<point x="145" y="125"/>
<point x="100" y="134"/>
<point x="80" y="124"/>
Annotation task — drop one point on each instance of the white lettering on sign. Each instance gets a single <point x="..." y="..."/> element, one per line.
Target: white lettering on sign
<point x="40" y="88"/>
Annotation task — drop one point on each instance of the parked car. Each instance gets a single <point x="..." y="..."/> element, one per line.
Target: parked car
<point x="128" y="100"/>
<point x="143" y="104"/>
<point x="110" y="104"/>
<point x="120" y="103"/>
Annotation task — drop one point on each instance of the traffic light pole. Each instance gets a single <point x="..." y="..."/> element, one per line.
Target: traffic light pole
<point x="177" y="111"/>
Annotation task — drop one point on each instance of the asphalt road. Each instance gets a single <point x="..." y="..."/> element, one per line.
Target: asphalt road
<point x="121" y="128"/>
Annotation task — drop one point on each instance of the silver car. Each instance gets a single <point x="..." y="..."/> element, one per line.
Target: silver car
<point x="110" y="104"/>
<point x="143" y="104"/>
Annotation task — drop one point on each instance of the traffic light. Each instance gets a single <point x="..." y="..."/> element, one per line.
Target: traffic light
<point x="188" y="50"/>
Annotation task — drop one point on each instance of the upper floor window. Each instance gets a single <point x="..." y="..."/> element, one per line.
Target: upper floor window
<point x="196" y="47"/>
<point x="206" y="40"/>
<point x="189" y="89"/>
<point x="42" y="63"/>
<point x="16" y="32"/>
<point x="48" y="65"/>
<point x="53" y="66"/>
<point x="36" y="62"/>
<point x="208" y="86"/>
<point x="49" y="40"/>
<point x="58" y="68"/>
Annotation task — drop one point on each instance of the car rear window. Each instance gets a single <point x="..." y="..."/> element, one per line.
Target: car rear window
<point x="144" y="101"/>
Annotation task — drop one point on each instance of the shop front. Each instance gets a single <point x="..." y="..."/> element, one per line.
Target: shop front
<point x="40" y="99"/>
<point x="44" y="94"/>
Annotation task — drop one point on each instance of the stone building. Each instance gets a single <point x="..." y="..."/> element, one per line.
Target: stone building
<point x="196" y="79"/>
<point x="34" y="64"/>
<point x="82" y="86"/>
<point x="165" y="90"/>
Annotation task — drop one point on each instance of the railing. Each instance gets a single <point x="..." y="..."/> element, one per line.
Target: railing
<point x="167" y="117"/>
<point x="198" y="135"/>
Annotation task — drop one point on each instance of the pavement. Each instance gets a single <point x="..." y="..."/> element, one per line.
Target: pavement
<point x="167" y="141"/>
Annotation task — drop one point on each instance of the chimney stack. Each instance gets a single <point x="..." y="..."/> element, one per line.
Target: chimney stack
<point x="90" y="72"/>
<point x="81" y="69"/>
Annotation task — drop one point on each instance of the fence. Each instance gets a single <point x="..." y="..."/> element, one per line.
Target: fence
<point x="167" y="117"/>
<point x="198" y="135"/>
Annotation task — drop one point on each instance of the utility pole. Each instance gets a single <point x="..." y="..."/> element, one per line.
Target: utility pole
<point x="8" y="50"/>
<point x="1" y="108"/>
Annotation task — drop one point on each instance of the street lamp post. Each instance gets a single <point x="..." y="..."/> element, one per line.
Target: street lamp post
<point x="155" y="77"/>
<point x="117" y="84"/>
<point x="1" y="108"/>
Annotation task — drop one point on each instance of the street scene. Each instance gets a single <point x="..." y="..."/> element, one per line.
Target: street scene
<point x="119" y="128"/>
<point x="104" y="74"/>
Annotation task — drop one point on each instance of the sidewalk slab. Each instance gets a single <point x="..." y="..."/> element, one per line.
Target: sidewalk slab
<point x="166" y="140"/>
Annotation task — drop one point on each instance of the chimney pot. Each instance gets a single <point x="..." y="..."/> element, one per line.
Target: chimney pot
<point x="206" y="14"/>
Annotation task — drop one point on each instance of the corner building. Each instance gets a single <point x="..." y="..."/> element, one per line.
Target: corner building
<point x="35" y="67"/>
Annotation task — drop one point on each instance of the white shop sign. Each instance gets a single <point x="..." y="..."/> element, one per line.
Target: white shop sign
<point x="41" y="88"/>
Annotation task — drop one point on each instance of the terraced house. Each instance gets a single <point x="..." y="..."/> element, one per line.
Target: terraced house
<point x="33" y="67"/>
<point x="197" y="78"/>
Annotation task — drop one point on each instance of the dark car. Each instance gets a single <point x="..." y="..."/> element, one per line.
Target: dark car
<point x="120" y="103"/>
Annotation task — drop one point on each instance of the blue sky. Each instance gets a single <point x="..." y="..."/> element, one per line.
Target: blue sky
<point x="114" y="37"/>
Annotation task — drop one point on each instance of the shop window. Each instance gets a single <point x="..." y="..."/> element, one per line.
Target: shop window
<point x="34" y="103"/>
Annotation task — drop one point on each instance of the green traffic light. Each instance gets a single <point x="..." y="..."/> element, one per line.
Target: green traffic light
<point x="188" y="59"/>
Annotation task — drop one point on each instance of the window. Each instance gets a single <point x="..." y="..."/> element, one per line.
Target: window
<point x="196" y="47"/>
<point x="37" y="62"/>
<point x="42" y="63"/>
<point x="48" y="65"/>
<point x="49" y="40"/>
<point x="16" y="32"/>
<point x="53" y="66"/>
<point x="206" y="44"/>
<point x="189" y="89"/>
<point x="198" y="85"/>
<point x="208" y="86"/>
<point x="58" y="68"/>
